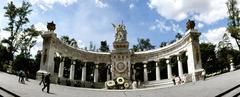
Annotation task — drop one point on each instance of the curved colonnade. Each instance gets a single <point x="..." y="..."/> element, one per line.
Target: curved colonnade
<point x="189" y="44"/>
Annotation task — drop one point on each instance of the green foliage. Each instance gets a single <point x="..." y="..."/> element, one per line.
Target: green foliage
<point x="233" y="20"/>
<point x="104" y="47"/>
<point x="17" y="17"/>
<point x="143" y="44"/>
<point x="69" y="41"/>
<point x="92" y="47"/>
<point x="163" y="44"/>
<point x="178" y="36"/>
<point x="4" y="56"/>
<point x="208" y="56"/>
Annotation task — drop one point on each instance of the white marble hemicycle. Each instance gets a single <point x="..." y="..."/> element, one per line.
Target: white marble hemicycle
<point x="121" y="57"/>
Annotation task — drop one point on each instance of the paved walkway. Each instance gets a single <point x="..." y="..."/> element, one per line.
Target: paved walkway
<point x="209" y="88"/>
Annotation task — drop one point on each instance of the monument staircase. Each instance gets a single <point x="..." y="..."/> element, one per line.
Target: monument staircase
<point x="161" y="83"/>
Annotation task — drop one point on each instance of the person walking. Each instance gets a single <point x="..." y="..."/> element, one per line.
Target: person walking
<point x="47" y="83"/>
<point x="42" y="79"/>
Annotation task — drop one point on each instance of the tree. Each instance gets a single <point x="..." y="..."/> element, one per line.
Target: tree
<point x="4" y="56"/>
<point x="178" y="36"/>
<point x="163" y="44"/>
<point x="69" y="41"/>
<point x="208" y="56"/>
<point x="143" y="44"/>
<point x="21" y="36"/>
<point x="225" y="43"/>
<point x="104" y="47"/>
<point x="233" y="21"/>
<point x="92" y="47"/>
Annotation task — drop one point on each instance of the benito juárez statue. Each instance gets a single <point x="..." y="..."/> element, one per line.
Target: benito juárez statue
<point x="121" y="32"/>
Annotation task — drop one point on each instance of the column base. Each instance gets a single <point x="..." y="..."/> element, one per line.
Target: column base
<point x="232" y="68"/>
<point x="197" y="75"/>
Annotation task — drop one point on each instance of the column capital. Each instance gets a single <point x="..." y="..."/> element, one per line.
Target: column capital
<point x="73" y="62"/>
<point x="145" y="65"/>
<point x="156" y="64"/>
<point x="178" y="57"/>
<point x="167" y="61"/>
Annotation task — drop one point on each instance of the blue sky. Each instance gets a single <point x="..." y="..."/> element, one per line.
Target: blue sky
<point x="158" y="20"/>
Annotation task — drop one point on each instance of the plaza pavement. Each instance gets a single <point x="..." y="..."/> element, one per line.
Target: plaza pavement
<point x="209" y="88"/>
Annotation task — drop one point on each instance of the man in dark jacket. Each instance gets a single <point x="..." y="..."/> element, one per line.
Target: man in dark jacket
<point x="42" y="79"/>
<point x="47" y="83"/>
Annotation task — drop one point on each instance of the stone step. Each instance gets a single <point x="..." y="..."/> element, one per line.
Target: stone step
<point x="161" y="83"/>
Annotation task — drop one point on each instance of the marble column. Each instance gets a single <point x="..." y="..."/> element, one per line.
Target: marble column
<point x="96" y="74"/>
<point x="157" y="72"/>
<point x="108" y="72"/>
<point x="61" y="68"/>
<point x="145" y="72"/>
<point x="134" y="73"/>
<point x="180" y="68"/>
<point x="169" y="69"/>
<point x="72" y="70"/>
<point x="84" y="72"/>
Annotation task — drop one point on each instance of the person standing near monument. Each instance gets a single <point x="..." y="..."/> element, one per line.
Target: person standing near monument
<point x="47" y="83"/>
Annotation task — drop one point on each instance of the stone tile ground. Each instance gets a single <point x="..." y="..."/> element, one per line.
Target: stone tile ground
<point x="209" y="88"/>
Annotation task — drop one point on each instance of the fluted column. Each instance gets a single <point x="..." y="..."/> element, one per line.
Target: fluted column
<point x="180" y="68"/>
<point x="145" y="72"/>
<point x="72" y="70"/>
<point x="84" y="72"/>
<point x="157" y="72"/>
<point x="96" y="74"/>
<point x="169" y="69"/>
<point x="61" y="68"/>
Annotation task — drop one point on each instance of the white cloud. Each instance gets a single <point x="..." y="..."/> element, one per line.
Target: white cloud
<point x="4" y="34"/>
<point x="101" y="4"/>
<point x="159" y="25"/>
<point x="46" y="4"/>
<point x="37" y="47"/>
<point x="177" y="29"/>
<point x="216" y="35"/>
<point x="131" y="6"/>
<point x="93" y="24"/>
<point x="41" y="27"/>
<point x="81" y="44"/>
<point x="207" y="11"/>
<point x="163" y="27"/>
<point x="200" y="25"/>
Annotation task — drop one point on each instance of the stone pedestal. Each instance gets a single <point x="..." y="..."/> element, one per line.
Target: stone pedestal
<point x="47" y="58"/>
<point x="232" y="68"/>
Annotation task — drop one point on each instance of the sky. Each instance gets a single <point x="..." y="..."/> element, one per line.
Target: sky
<point x="158" y="20"/>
